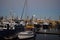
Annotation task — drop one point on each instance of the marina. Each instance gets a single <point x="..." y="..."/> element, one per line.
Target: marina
<point x="30" y="27"/>
<point x="25" y="30"/>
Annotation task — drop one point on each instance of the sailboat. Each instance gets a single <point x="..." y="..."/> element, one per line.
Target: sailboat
<point x="26" y="33"/>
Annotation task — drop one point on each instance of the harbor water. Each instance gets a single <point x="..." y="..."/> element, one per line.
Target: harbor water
<point x="41" y="37"/>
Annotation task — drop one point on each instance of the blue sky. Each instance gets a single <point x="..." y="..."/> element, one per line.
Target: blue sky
<point x="41" y="8"/>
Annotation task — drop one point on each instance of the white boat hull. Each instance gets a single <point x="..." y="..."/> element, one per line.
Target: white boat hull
<point x="25" y="35"/>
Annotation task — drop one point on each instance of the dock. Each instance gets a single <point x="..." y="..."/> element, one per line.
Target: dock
<point x="47" y="31"/>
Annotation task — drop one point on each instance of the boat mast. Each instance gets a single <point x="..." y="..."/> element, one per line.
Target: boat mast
<point x="25" y="5"/>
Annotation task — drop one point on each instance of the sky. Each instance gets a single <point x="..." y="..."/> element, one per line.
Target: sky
<point x="39" y="8"/>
